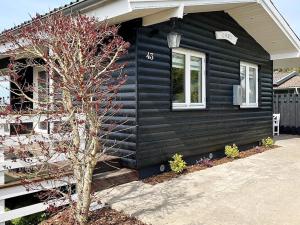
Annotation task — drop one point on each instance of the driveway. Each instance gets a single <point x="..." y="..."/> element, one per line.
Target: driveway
<point x="263" y="189"/>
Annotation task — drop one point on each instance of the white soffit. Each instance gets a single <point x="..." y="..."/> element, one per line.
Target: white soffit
<point x="259" y="18"/>
<point x="109" y="9"/>
<point x="270" y="31"/>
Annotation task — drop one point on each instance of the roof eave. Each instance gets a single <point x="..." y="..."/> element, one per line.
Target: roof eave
<point x="162" y="10"/>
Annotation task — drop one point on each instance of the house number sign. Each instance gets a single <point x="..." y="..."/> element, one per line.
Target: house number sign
<point x="150" y="56"/>
<point x="226" y="35"/>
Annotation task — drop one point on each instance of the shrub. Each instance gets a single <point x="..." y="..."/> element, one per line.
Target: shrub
<point x="232" y="151"/>
<point x="268" y="142"/>
<point x="177" y="164"/>
<point x="29" y="220"/>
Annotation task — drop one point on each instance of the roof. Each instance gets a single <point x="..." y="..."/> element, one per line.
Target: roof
<point x="259" y="18"/>
<point x="293" y="82"/>
<point x="281" y="77"/>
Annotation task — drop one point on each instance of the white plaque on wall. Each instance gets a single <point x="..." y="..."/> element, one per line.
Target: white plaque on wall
<point x="226" y="35"/>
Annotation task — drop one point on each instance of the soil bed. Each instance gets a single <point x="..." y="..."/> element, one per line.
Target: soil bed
<point x="204" y="165"/>
<point x="105" y="216"/>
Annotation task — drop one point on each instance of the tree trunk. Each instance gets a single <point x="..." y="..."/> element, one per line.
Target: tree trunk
<point x="84" y="188"/>
<point x="84" y="196"/>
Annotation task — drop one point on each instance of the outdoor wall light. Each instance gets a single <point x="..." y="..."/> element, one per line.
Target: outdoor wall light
<point x="174" y="39"/>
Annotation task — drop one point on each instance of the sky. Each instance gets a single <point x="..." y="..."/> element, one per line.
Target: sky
<point x="14" y="12"/>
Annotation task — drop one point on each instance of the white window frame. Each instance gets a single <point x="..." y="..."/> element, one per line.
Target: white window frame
<point x="248" y="66"/>
<point x="5" y="78"/>
<point x="36" y="71"/>
<point x="36" y="125"/>
<point x="5" y="128"/>
<point x="187" y="86"/>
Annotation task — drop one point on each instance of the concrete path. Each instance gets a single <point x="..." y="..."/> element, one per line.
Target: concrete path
<point x="263" y="189"/>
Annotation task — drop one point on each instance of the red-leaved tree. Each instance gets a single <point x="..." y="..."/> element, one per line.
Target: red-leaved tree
<point x="72" y="101"/>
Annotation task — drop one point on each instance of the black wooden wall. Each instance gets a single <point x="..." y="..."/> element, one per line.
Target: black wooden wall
<point x="162" y="131"/>
<point x="123" y="139"/>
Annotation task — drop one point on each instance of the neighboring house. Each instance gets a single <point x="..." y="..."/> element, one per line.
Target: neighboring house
<point x="286" y="82"/>
<point x="196" y="94"/>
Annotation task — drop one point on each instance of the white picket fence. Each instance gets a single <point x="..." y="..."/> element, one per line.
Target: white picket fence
<point x="10" y="191"/>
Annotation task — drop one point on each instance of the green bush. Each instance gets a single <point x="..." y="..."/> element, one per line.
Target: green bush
<point x="232" y="151"/>
<point x="177" y="164"/>
<point x="268" y="142"/>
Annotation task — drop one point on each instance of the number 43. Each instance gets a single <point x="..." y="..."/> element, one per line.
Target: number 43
<point x="150" y="56"/>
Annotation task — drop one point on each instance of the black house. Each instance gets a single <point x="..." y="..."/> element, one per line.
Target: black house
<point x="183" y="101"/>
<point x="200" y="74"/>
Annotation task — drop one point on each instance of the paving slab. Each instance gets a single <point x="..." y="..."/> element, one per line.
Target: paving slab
<point x="263" y="189"/>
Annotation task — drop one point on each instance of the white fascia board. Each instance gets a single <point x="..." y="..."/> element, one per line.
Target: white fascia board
<point x="110" y="10"/>
<point x="283" y="25"/>
<point x="148" y="4"/>
<point x="164" y="15"/>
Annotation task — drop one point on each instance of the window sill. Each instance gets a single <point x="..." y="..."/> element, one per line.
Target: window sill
<point x="176" y="107"/>
<point x="248" y="106"/>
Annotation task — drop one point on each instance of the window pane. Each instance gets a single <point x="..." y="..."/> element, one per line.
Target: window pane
<point x="252" y="85"/>
<point x="42" y="86"/>
<point x="243" y="83"/>
<point x="196" y="80"/>
<point x="43" y="125"/>
<point x="4" y="90"/>
<point x="178" y="77"/>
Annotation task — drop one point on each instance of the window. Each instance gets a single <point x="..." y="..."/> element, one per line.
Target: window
<point x="188" y="79"/>
<point x="4" y="90"/>
<point x="249" y="85"/>
<point x="4" y="100"/>
<point x="41" y="84"/>
<point x="41" y="94"/>
<point x="42" y="81"/>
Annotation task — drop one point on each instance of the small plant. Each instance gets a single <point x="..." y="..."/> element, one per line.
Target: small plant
<point x="258" y="149"/>
<point x="268" y="142"/>
<point x="177" y="164"/>
<point x="232" y="151"/>
<point x="207" y="162"/>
